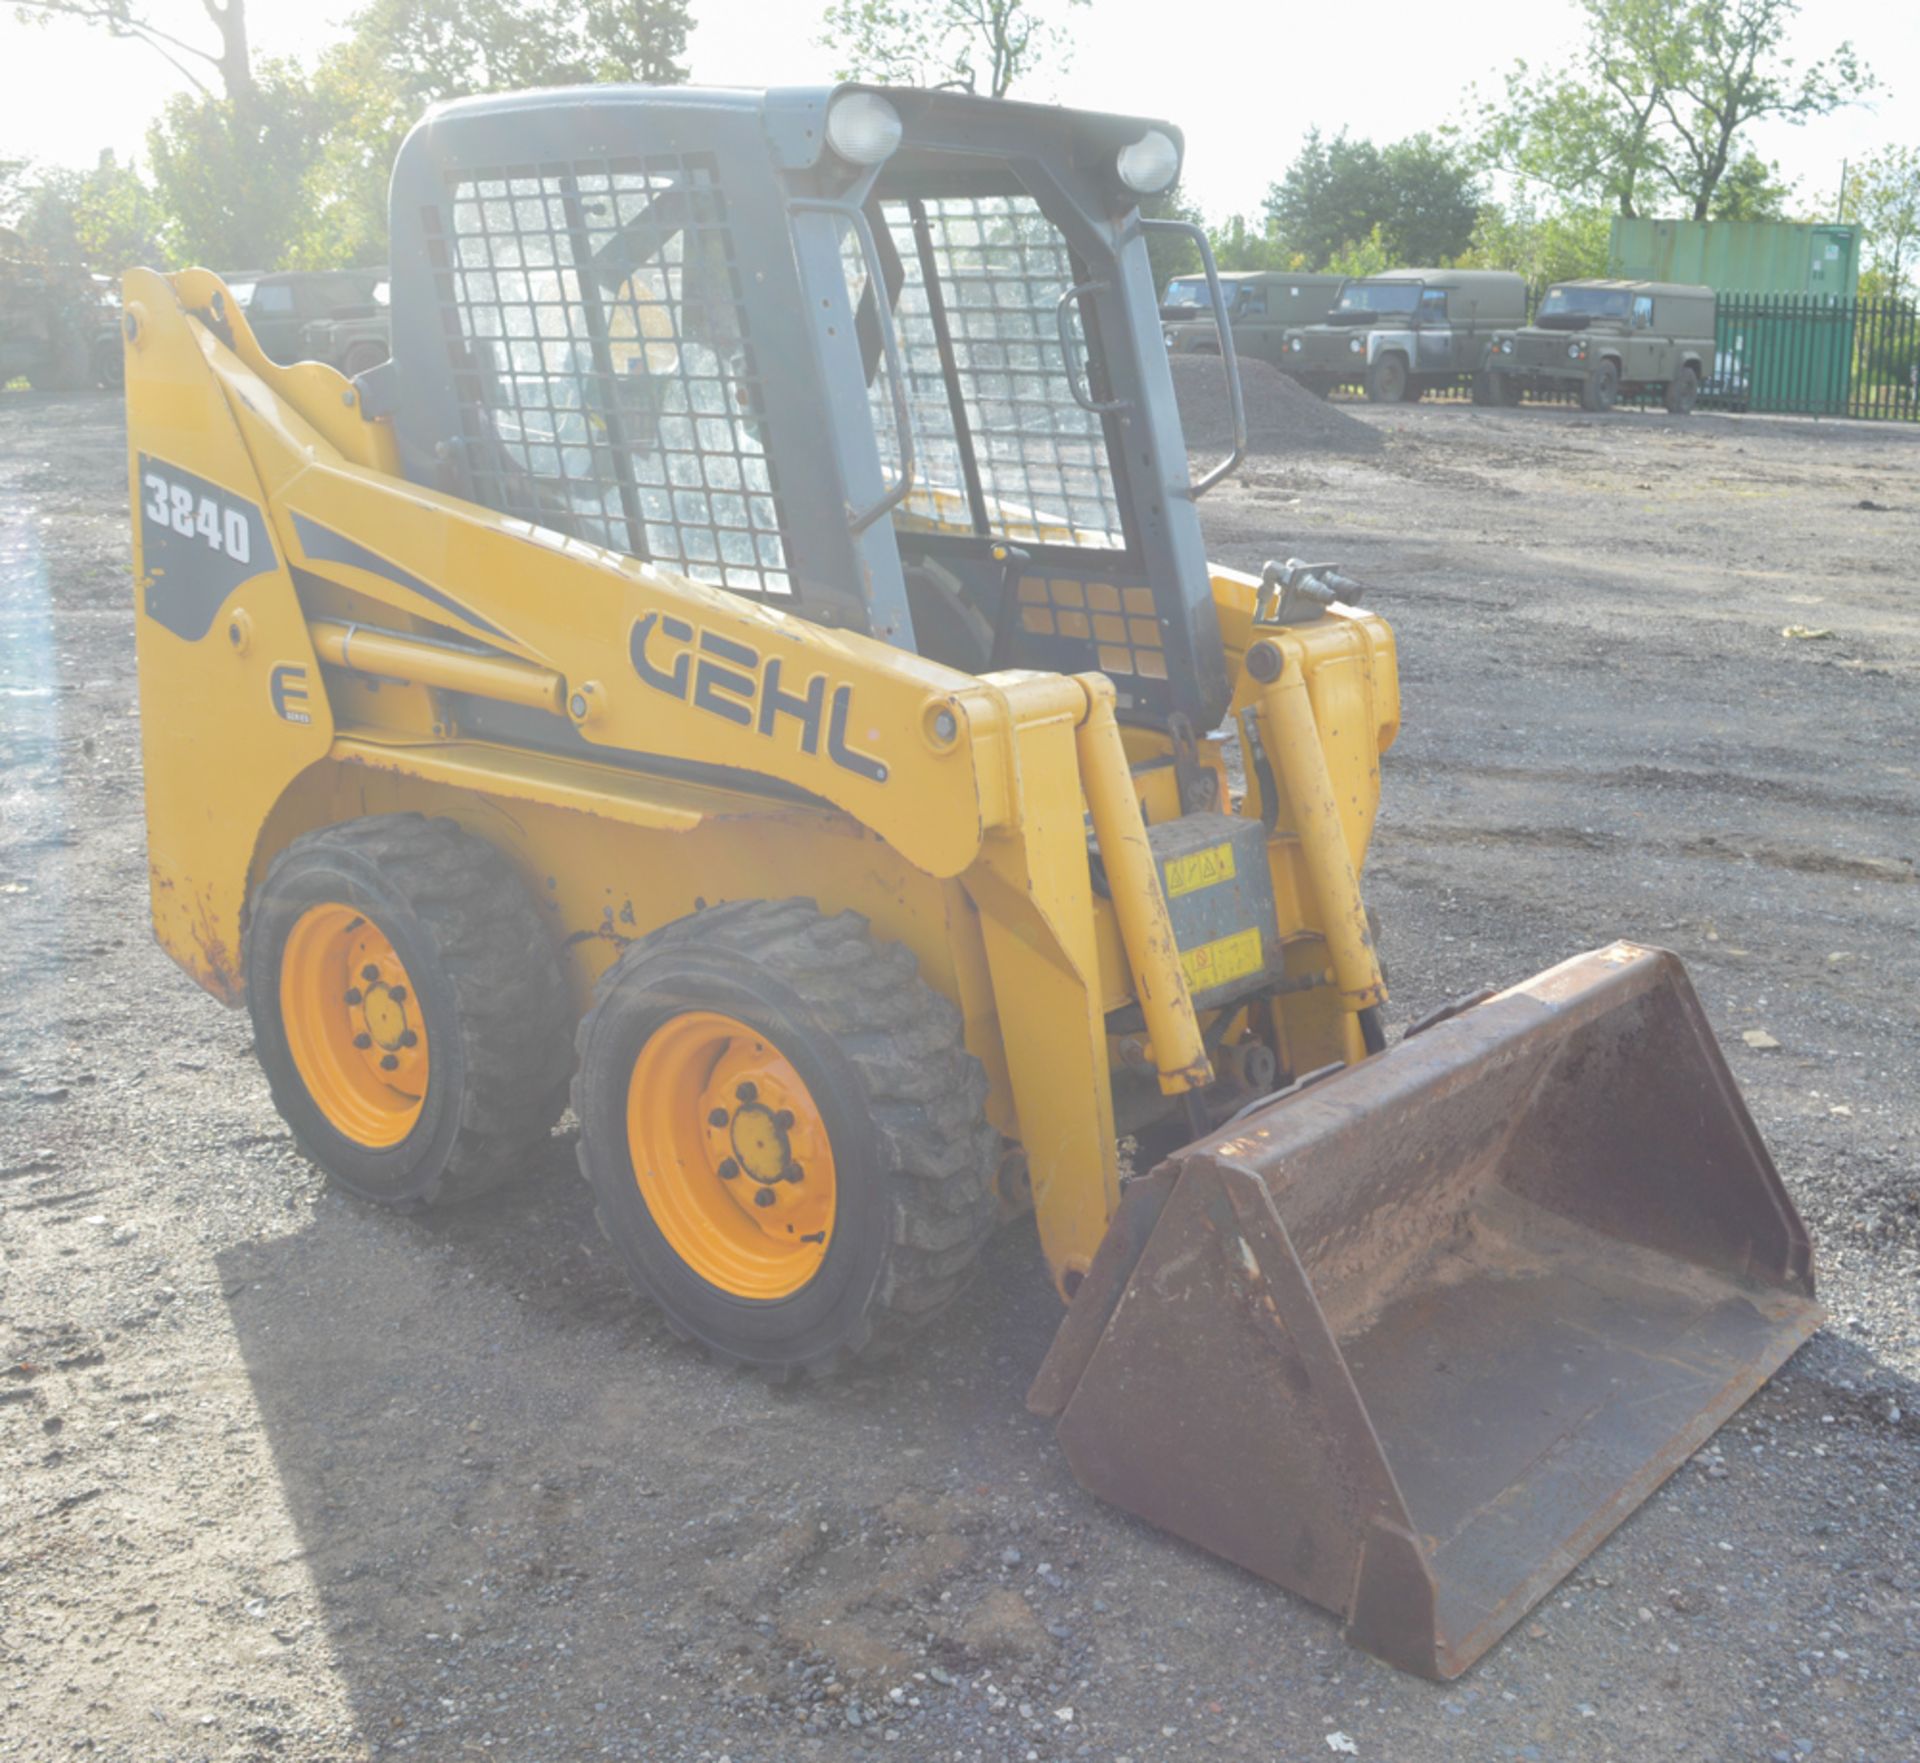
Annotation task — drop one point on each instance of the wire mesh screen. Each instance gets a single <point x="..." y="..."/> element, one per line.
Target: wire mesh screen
<point x="999" y="267"/>
<point x="602" y="363"/>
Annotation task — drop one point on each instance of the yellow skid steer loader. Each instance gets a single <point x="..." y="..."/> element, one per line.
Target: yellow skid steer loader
<point x="750" y="656"/>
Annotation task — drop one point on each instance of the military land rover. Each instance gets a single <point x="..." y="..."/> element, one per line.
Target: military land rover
<point x="1609" y="338"/>
<point x="1261" y="306"/>
<point x="338" y="316"/>
<point x="1407" y="332"/>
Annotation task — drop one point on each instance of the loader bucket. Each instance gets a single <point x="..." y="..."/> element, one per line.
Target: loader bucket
<point x="1413" y="1340"/>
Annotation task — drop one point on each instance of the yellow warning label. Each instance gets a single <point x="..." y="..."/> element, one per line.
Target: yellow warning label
<point x="1230" y="958"/>
<point x="1199" y="869"/>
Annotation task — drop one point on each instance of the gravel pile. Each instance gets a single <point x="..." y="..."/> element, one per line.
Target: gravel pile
<point x="1282" y="415"/>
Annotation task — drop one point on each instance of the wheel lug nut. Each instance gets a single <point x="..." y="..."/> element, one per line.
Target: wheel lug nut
<point x="795" y="1172"/>
<point x="389" y="1061"/>
<point x="363" y="1041"/>
<point x="784" y="1120"/>
<point x="746" y="1092"/>
<point x="763" y="1197"/>
<point x="397" y="993"/>
<point x="408" y="1038"/>
<point x="369" y="973"/>
<point x="729" y="1169"/>
<point x="353" y="995"/>
<point x="719" y="1117"/>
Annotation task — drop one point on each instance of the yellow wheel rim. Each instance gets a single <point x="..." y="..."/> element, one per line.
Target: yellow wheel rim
<point x="354" y="1025"/>
<point x="731" y="1155"/>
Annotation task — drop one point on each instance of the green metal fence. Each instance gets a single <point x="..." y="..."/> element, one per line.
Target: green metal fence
<point x="1806" y="355"/>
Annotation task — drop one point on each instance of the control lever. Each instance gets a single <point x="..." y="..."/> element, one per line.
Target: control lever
<point x="1297" y="593"/>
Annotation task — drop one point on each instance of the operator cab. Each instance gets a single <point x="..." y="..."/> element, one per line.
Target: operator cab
<point x="890" y="356"/>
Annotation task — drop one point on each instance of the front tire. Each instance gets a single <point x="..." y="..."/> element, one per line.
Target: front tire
<point x="1387" y="380"/>
<point x="785" y="1135"/>
<point x="1683" y="392"/>
<point x="1600" y="390"/>
<point x="409" y="1009"/>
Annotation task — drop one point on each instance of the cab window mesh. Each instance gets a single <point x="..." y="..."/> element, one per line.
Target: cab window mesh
<point x="999" y="267"/>
<point x="606" y="380"/>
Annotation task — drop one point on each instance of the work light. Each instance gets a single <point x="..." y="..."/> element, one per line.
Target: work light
<point x="1150" y="164"/>
<point x="863" y="128"/>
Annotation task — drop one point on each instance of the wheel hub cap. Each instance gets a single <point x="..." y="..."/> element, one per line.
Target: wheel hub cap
<point x="731" y="1155"/>
<point x="353" y="1024"/>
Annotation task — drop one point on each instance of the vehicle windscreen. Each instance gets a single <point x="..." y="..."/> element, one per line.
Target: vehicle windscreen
<point x="1188" y="291"/>
<point x="1585" y="303"/>
<point x="1360" y="302"/>
<point x="1004" y="448"/>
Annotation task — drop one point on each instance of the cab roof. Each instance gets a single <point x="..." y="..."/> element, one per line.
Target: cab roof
<point x="1691" y="290"/>
<point x="1447" y="278"/>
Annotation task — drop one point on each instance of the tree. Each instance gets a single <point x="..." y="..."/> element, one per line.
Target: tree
<point x="980" y="44"/>
<point x="1882" y="195"/>
<point x="1237" y="244"/>
<point x="1415" y="196"/>
<point x="231" y="172"/>
<point x="1657" y="102"/>
<point x="106" y="218"/>
<point x="230" y="57"/>
<point x="404" y="55"/>
<point x="1563" y="245"/>
<point x="1750" y="189"/>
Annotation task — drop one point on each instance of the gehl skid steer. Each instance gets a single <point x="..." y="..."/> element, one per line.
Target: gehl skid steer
<point x="750" y="655"/>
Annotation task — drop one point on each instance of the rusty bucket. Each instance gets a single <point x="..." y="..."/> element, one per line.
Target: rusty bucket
<point x="1413" y="1340"/>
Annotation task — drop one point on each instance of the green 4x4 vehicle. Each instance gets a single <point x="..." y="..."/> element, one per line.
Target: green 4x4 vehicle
<point x="1608" y="337"/>
<point x="1261" y="306"/>
<point x="1407" y="332"/>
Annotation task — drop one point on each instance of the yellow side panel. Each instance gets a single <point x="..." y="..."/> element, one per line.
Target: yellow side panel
<point x="233" y="705"/>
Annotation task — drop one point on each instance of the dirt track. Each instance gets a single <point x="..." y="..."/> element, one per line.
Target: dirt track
<point x="283" y="1477"/>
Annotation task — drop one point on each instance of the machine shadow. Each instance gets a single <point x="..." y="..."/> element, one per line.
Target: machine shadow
<point x="526" y="1510"/>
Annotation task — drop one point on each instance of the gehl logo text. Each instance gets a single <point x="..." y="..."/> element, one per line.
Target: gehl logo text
<point x="726" y="679"/>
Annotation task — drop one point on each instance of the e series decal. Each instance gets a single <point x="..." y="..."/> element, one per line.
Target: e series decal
<point x="198" y="543"/>
<point x="725" y="679"/>
<point x="287" y="687"/>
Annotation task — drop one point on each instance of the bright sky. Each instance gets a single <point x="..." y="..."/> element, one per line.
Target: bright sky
<point x="1383" y="70"/>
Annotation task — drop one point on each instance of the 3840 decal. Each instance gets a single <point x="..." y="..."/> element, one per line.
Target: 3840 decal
<point x="198" y="542"/>
<point x="194" y="514"/>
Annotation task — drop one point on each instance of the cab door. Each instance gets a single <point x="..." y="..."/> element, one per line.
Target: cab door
<point x="1433" y="335"/>
<point x="1645" y="351"/>
<point x="1255" y="329"/>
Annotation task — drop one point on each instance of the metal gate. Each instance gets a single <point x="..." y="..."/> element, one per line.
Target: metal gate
<point x="1807" y="355"/>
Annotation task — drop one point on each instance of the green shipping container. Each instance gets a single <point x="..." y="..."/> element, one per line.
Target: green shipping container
<point x="1739" y="256"/>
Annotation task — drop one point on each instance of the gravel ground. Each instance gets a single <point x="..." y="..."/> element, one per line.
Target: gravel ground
<point x="282" y="1477"/>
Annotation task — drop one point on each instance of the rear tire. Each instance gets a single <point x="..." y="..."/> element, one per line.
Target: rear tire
<point x="373" y="931"/>
<point x="1683" y="392"/>
<point x="1387" y="380"/>
<point x="834" y="1225"/>
<point x="1600" y="390"/>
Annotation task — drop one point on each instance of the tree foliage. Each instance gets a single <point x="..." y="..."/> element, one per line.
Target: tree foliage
<point x="404" y="55"/>
<point x="1415" y="197"/>
<point x="1882" y="196"/>
<point x="107" y="218"/>
<point x="1559" y="245"/>
<point x="983" y="45"/>
<point x="1657" y="104"/>
<point x="231" y="173"/>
